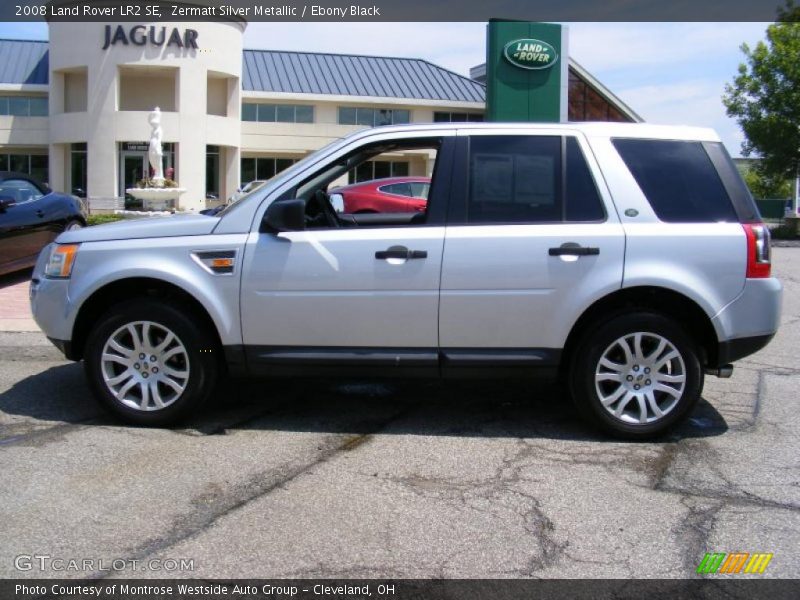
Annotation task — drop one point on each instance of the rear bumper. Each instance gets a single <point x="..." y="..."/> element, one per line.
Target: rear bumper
<point x="749" y="322"/>
<point x="731" y="350"/>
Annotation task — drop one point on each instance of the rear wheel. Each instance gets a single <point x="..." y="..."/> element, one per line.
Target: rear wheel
<point x="637" y="375"/>
<point x="150" y="363"/>
<point x="73" y="225"/>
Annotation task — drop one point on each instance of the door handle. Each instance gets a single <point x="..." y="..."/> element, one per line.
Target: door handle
<point x="400" y="252"/>
<point x="40" y="213"/>
<point x="573" y="251"/>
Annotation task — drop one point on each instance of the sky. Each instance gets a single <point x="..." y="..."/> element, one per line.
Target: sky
<point x="670" y="73"/>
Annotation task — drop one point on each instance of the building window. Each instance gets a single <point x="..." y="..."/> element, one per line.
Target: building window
<point x="35" y="165"/>
<point x="262" y="168"/>
<point x="456" y="117"/>
<point x="377" y="169"/>
<point x="586" y="104"/>
<point x="23" y="106"/>
<point x="212" y="172"/>
<point x="78" y="169"/>
<point x="372" y="117"/>
<point x="277" y="113"/>
<point x="38" y="168"/>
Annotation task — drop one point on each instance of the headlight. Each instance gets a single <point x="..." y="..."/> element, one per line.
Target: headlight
<point x="61" y="260"/>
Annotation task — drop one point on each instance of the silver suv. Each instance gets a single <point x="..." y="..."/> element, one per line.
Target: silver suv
<point x="629" y="260"/>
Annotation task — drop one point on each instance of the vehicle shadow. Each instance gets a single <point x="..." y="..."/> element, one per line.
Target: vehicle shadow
<point x="479" y="409"/>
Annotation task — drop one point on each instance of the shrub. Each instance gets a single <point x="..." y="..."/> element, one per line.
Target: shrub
<point x="146" y="183"/>
<point x="100" y="219"/>
<point x="784" y="232"/>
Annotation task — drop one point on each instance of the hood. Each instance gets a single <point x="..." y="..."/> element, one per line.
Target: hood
<point x="146" y="227"/>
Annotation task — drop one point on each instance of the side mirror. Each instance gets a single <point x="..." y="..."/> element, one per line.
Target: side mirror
<point x="285" y="215"/>
<point x="337" y="201"/>
<point x="5" y="202"/>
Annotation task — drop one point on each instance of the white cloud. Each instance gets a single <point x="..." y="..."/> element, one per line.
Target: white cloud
<point x="693" y="102"/>
<point x="612" y="46"/>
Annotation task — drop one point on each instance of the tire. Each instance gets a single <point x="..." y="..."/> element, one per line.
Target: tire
<point x="606" y="392"/>
<point x="73" y="224"/>
<point x="177" y="375"/>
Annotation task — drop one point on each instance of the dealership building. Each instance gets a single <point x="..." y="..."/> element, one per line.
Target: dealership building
<point x="74" y="109"/>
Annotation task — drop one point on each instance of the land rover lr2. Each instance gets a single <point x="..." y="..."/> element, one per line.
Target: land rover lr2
<point x="627" y="259"/>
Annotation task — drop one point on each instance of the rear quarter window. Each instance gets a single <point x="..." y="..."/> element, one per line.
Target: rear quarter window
<point x="678" y="179"/>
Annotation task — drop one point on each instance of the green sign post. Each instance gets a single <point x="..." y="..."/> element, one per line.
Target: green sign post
<point x="526" y="71"/>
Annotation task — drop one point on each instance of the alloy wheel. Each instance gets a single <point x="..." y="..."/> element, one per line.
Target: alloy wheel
<point x="145" y="366"/>
<point x="640" y="378"/>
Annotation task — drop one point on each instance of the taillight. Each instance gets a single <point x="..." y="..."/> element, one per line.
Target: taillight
<point x="758" y="264"/>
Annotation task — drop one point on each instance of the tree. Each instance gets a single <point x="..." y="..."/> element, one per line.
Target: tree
<point x="763" y="185"/>
<point x="764" y="98"/>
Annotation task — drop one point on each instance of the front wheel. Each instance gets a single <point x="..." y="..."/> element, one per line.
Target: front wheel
<point x="150" y="363"/>
<point x="637" y="375"/>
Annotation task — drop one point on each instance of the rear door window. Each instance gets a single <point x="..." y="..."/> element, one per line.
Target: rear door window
<point x="530" y="179"/>
<point x="678" y="179"/>
<point x="515" y="179"/>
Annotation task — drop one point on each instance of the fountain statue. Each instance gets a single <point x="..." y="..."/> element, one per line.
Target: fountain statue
<point x="156" y="153"/>
<point x="157" y="193"/>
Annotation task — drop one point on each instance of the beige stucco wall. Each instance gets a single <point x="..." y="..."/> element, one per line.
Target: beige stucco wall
<point x="76" y="85"/>
<point x="144" y="88"/>
<point x="23" y="131"/>
<point x="102" y="126"/>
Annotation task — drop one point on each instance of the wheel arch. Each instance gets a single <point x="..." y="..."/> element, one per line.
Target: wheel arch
<point x="670" y="303"/>
<point x="129" y="288"/>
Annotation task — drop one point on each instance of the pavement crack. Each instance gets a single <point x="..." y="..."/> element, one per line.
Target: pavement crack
<point x="694" y="530"/>
<point x="659" y="467"/>
<point x="33" y="435"/>
<point x="216" y="503"/>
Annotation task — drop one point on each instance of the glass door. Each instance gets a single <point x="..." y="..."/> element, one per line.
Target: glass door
<point x="132" y="167"/>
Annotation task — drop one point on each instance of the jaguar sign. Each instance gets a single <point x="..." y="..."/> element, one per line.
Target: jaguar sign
<point x="141" y="35"/>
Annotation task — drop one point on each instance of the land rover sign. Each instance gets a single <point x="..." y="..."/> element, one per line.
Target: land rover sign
<point x="530" y="54"/>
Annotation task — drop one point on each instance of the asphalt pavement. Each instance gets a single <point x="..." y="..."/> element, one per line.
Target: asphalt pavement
<point x="396" y="479"/>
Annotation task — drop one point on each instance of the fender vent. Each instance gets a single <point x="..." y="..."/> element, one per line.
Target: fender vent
<point x="219" y="262"/>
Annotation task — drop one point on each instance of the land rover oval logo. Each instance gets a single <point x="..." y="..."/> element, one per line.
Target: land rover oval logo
<point x="530" y="54"/>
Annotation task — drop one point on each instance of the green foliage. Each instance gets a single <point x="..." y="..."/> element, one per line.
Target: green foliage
<point x="784" y="232"/>
<point x="147" y="183"/>
<point x="766" y="185"/>
<point x="100" y="219"/>
<point x="764" y="98"/>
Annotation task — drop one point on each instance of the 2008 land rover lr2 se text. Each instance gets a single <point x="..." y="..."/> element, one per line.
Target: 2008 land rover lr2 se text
<point x="628" y="259"/>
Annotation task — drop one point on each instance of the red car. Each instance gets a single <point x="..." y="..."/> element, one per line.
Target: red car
<point x="393" y="194"/>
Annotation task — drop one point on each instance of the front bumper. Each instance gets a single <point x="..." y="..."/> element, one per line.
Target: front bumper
<point x="50" y="305"/>
<point x="65" y="346"/>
